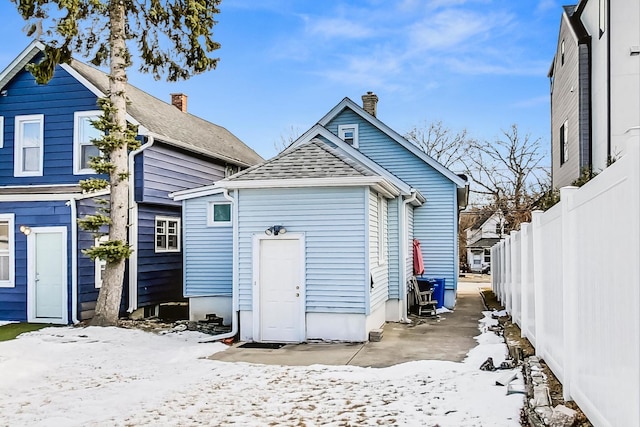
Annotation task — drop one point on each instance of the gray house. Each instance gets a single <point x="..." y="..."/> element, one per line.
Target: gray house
<point x="595" y="86"/>
<point x="570" y="101"/>
<point x="316" y="243"/>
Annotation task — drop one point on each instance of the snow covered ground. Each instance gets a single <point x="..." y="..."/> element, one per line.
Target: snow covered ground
<point x="119" y="377"/>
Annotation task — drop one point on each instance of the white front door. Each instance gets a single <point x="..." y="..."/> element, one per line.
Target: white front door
<point x="280" y="289"/>
<point x="47" y="275"/>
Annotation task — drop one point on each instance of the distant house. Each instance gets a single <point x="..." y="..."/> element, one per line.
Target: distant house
<point x="315" y="243"/>
<point x="486" y="231"/>
<point x="595" y="86"/>
<point x="45" y="134"/>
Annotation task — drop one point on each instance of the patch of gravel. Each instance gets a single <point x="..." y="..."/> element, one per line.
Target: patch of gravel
<point x="544" y="391"/>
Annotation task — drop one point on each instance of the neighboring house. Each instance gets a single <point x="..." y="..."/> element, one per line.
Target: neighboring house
<point x="595" y="86"/>
<point x="486" y="231"/>
<point x="315" y="244"/>
<point x="45" y="134"/>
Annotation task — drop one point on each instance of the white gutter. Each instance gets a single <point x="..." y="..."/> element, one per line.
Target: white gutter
<point x="403" y="254"/>
<point x="74" y="260"/>
<point x="235" y="305"/>
<point x="133" y="227"/>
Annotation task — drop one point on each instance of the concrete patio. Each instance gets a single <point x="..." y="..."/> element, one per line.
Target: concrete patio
<point x="449" y="337"/>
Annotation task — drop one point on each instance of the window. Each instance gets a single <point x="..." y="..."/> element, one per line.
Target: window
<point x="382" y="222"/>
<point x="83" y="148"/>
<point x="167" y="234"/>
<point x="602" y="17"/>
<point x="28" y="145"/>
<point x="219" y="214"/>
<point x="100" y="264"/>
<point x="562" y="53"/>
<point x="7" y="255"/>
<point x="487" y="255"/>
<point x="564" y="143"/>
<point x="349" y="134"/>
<point x="1" y="131"/>
<point x="498" y="228"/>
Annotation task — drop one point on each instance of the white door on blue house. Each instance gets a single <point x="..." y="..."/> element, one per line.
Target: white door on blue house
<point x="47" y="275"/>
<point x="280" y="289"/>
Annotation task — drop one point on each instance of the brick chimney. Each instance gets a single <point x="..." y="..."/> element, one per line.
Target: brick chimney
<point x="179" y="100"/>
<point x="370" y="103"/>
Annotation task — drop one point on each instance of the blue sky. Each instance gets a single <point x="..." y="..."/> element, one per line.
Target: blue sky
<point x="474" y="64"/>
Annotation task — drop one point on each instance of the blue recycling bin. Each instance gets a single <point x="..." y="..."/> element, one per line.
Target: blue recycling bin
<point x="438" y="288"/>
<point x="438" y="291"/>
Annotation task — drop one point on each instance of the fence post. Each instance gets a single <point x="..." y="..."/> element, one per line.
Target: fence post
<point x="569" y="289"/>
<point x="537" y="279"/>
<point x="525" y="236"/>
<point x="514" y="305"/>
<point x="507" y="275"/>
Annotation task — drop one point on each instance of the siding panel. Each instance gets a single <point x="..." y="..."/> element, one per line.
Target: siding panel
<point x="333" y="221"/>
<point x="208" y="251"/>
<point x="435" y="223"/>
<point x="57" y="101"/>
<point x="159" y="274"/>
<point x="166" y="170"/>
<point x="13" y="301"/>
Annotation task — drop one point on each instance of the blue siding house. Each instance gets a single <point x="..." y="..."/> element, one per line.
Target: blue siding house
<point x="45" y="134"/>
<point x="316" y="243"/>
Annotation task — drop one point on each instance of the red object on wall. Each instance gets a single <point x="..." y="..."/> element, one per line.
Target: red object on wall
<point x="418" y="263"/>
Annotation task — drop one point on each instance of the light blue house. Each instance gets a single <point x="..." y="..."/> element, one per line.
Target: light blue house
<point x="315" y="243"/>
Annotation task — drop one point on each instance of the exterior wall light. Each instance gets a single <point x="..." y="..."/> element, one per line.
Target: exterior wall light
<point x="275" y="230"/>
<point x="25" y="229"/>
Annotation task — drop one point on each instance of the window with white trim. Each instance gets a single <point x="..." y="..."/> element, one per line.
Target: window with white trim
<point x="564" y="142"/>
<point x="100" y="264"/>
<point x="349" y="134"/>
<point x="7" y="253"/>
<point x="29" y="145"/>
<point x="1" y="131"/>
<point x="83" y="134"/>
<point x="382" y="221"/>
<point x="167" y="234"/>
<point x="219" y="214"/>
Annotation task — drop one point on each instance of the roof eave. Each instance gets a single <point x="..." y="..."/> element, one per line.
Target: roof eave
<point x="182" y="145"/>
<point x="20" y="62"/>
<point x="358" y="181"/>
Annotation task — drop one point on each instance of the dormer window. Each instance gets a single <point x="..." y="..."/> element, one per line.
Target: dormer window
<point x="349" y="134"/>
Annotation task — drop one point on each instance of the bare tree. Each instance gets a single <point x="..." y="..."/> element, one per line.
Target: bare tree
<point x="446" y="146"/>
<point x="286" y="139"/>
<point x="508" y="174"/>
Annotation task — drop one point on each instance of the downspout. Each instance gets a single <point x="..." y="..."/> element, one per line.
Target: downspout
<point x="74" y="260"/>
<point x="403" y="254"/>
<point x="608" y="31"/>
<point x="235" y="305"/>
<point x="133" y="227"/>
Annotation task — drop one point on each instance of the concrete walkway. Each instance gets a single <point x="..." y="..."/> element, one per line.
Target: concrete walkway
<point x="448" y="338"/>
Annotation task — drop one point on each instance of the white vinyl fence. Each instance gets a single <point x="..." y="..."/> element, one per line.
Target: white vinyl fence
<point x="571" y="281"/>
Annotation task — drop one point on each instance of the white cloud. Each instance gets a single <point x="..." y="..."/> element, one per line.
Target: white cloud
<point x="475" y="66"/>
<point x="545" y="5"/>
<point x="337" y="28"/>
<point x="454" y="28"/>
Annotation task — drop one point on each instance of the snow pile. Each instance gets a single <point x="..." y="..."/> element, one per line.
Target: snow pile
<point x="121" y="377"/>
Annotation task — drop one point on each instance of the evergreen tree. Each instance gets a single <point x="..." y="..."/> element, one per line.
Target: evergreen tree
<point x="171" y="38"/>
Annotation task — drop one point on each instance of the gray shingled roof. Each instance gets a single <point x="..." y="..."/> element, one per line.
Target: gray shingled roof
<point x="312" y="160"/>
<point x="180" y="129"/>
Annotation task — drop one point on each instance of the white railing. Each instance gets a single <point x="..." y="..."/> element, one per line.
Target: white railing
<point x="571" y="280"/>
